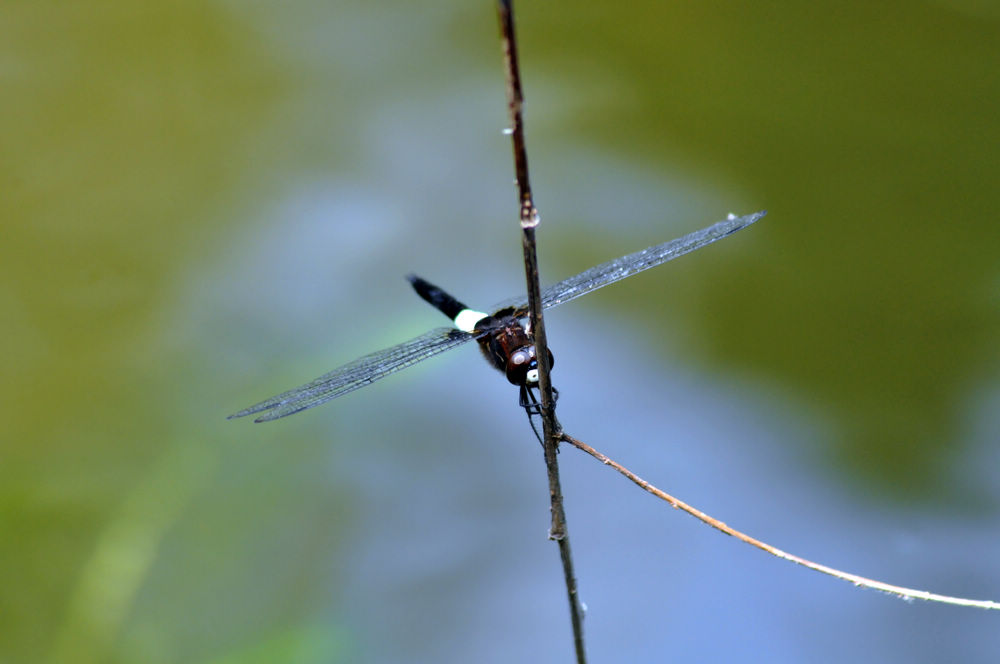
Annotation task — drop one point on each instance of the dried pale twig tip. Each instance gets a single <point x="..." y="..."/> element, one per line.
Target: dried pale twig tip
<point x="908" y="594"/>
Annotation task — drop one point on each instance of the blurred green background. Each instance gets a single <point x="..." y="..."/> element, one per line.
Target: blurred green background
<point x="207" y="203"/>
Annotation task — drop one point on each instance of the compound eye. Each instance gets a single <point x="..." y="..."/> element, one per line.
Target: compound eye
<point x="520" y="364"/>
<point x="520" y="357"/>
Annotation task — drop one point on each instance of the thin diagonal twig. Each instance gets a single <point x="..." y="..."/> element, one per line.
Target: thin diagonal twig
<point x="860" y="581"/>
<point x="529" y="219"/>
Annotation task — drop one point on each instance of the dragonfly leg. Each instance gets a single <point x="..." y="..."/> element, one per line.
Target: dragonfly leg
<point x="533" y="407"/>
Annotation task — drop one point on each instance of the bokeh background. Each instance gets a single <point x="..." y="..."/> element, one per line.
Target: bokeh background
<point x="205" y="203"/>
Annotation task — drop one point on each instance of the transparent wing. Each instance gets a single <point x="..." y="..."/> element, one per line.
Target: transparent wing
<point x="380" y="364"/>
<point x="360" y="372"/>
<point x="620" y="268"/>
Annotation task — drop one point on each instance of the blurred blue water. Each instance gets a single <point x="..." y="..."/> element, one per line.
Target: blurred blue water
<point x="211" y="205"/>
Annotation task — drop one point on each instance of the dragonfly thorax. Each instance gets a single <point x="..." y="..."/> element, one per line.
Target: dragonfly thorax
<point x="507" y="345"/>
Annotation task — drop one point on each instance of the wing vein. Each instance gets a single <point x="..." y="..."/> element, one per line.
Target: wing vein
<point x="353" y="375"/>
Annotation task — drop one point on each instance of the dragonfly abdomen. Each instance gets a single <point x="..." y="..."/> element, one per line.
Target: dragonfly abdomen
<point x="462" y="316"/>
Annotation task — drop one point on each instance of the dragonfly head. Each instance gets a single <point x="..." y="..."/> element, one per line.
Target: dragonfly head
<point x="522" y="366"/>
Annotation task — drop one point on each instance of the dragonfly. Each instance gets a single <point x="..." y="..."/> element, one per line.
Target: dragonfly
<point x="504" y="336"/>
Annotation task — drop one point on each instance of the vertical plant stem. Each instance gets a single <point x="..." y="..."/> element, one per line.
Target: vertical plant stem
<point x="529" y="219"/>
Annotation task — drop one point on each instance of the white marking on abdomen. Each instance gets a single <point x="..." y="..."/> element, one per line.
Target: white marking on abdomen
<point x="467" y="318"/>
